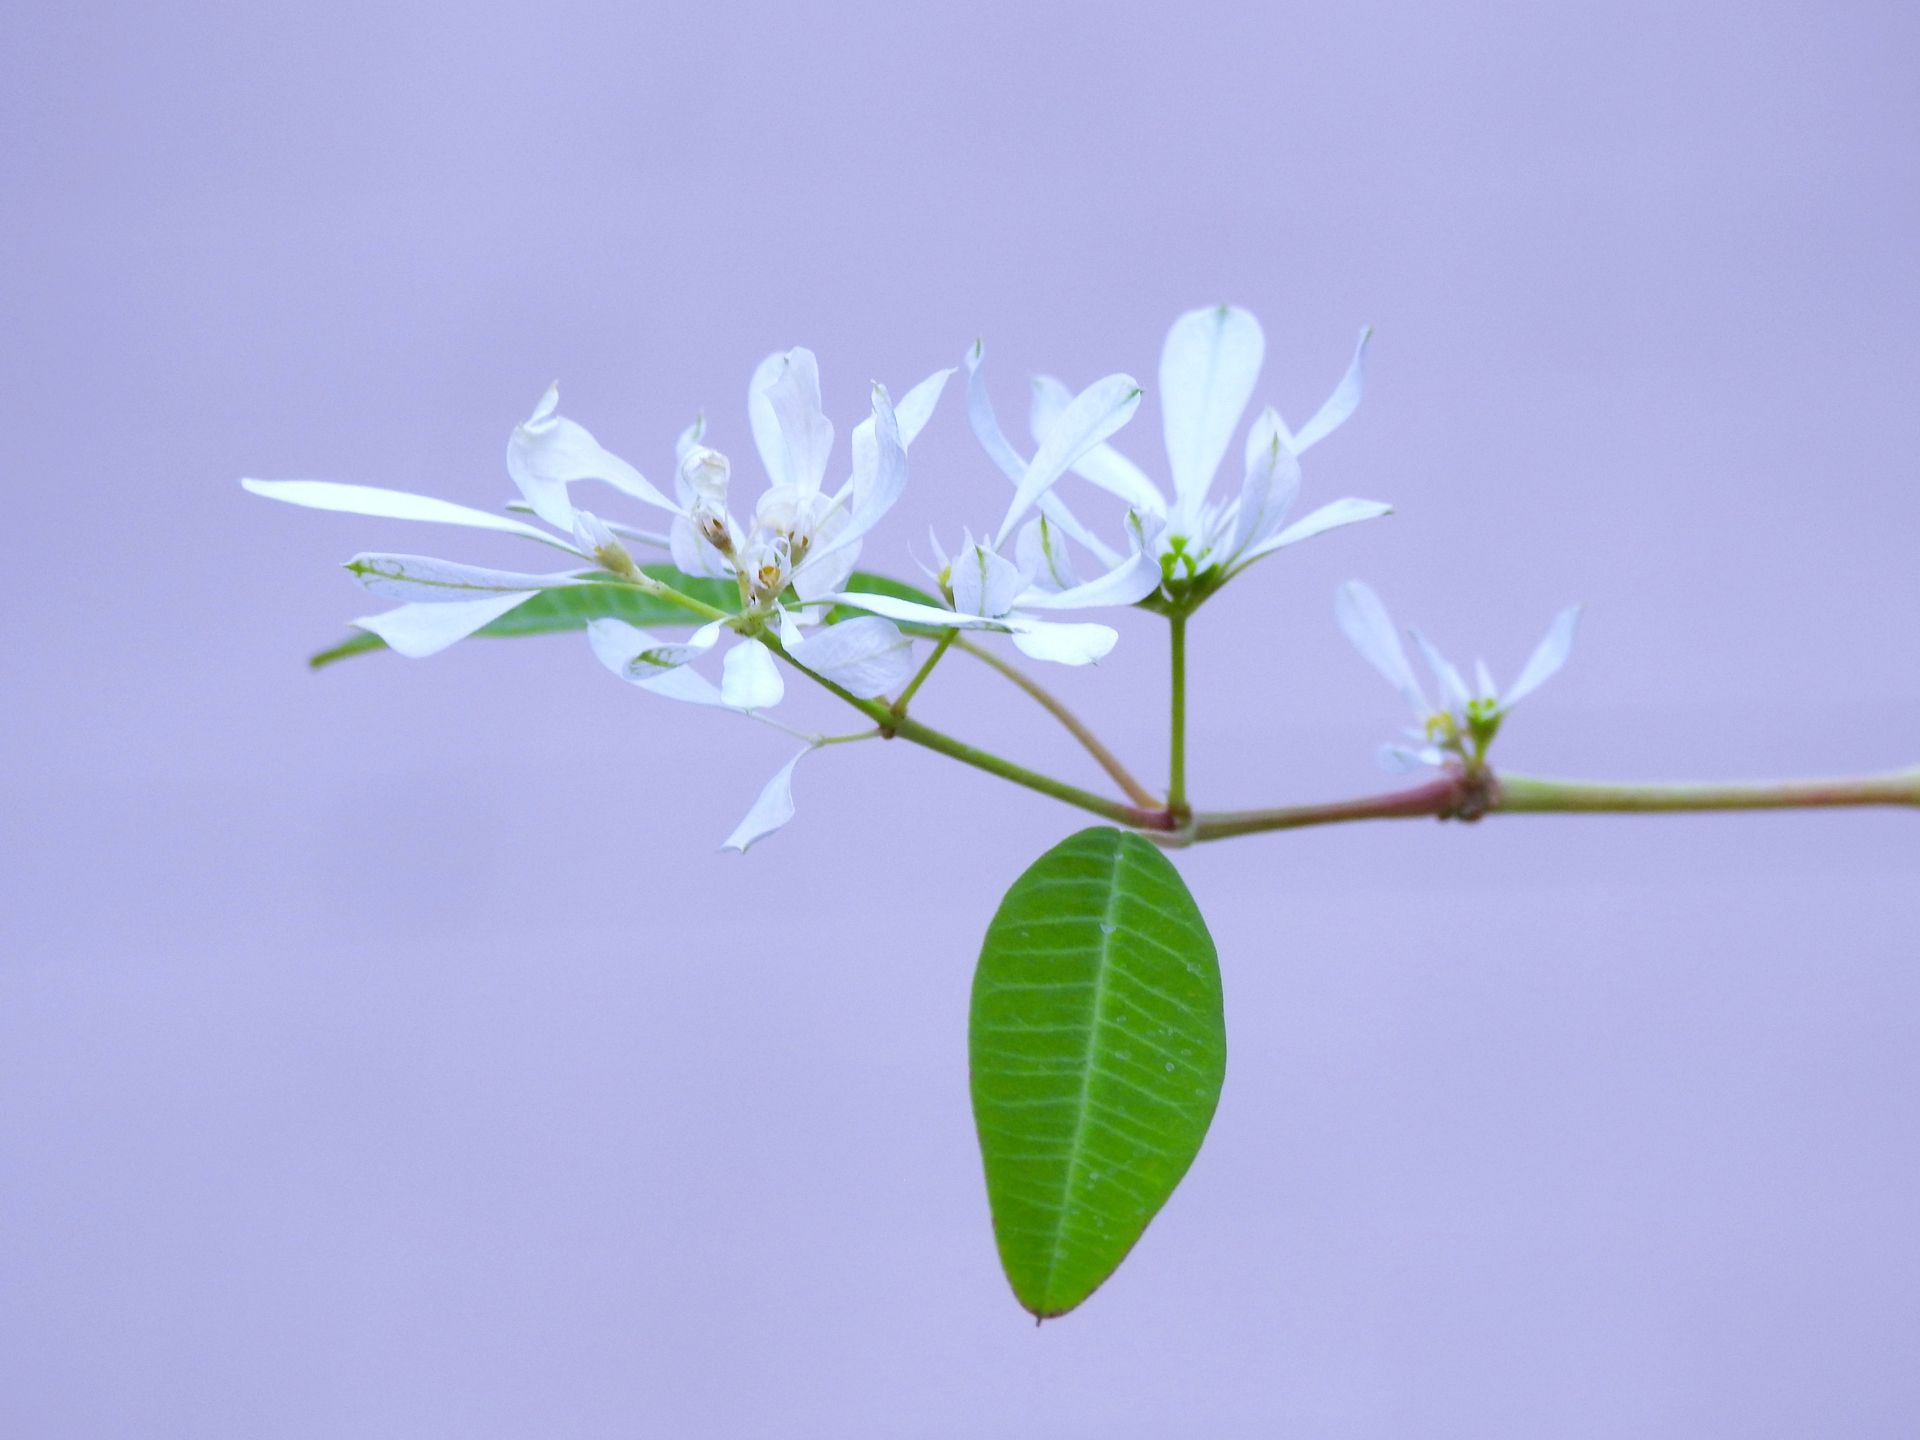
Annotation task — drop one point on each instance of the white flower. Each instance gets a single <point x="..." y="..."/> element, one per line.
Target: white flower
<point x="801" y="535"/>
<point x="989" y="592"/>
<point x="809" y="541"/>
<point x="1464" y="723"/>
<point x="1208" y="369"/>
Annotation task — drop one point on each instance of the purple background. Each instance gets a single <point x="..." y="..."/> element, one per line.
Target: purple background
<point x="388" y="1053"/>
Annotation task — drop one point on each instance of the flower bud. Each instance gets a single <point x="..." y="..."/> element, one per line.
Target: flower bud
<point x="706" y="472"/>
<point x="591" y="534"/>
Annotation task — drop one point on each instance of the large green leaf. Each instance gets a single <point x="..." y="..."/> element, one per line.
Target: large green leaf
<point x="571" y="608"/>
<point x="1097" y="1050"/>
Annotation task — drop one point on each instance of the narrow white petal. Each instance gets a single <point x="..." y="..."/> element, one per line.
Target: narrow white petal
<point x="1548" y="656"/>
<point x="1399" y="759"/>
<point x="550" y="452"/>
<point x="1273" y="480"/>
<point x="986" y="429"/>
<point x="1330" y="516"/>
<point x="879" y="475"/>
<point x="805" y="432"/>
<point x="1103" y="465"/>
<point x="1453" y="690"/>
<point x="420" y="630"/>
<point x="1342" y="403"/>
<point x="1075" y="644"/>
<point x="1483" y="682"/>
<point x="424" y="579"/>
<point x="1208" y="369"/>
<point x="867" y="656"/>
<point x="1096" y="412"/>
<point x="773" y="809"/>
<point x="1135" y="578"/>
<point x="916" y="406"/>
<point x="395" y="505"/>
<point x="913" y="613"/>
<point x="1366" y="623"/>
<point x="750" y="680"/>
<point x="986" y="425"/>
<point x="767" y="436"/>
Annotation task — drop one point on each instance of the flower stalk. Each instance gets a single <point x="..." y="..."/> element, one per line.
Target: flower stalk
<point x="1177" y="757"/>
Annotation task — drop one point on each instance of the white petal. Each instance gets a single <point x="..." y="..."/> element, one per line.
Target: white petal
<point x="879" y="474"/>
<point x="986" y="429"/>
<point x="425" y="629"/>
<point x="1135" y="578"/>
<point x="693" y="553"/>
<point x="684" y="683"/>
<point x="395" y="505"/>
<point x="1103" y="465"/>
<point x="805" y="432"/>
<point x="1096" y="412"/>
<point x="1483" y="682"/>
<point x="867" y="656"/>
<point x="550" y="452"/>
<point x="750" y="680"/>
<point x="1273" y="480"/>
<point x="1077" y="644"/>
<point x="984" y="583"/>
<point x="916" y="406"/>
<point x="422" y="578"/>
<point x="1548" y="656"/>
<point x="1366" y="623"/>
<point x="1042" y="553"/>
<point x="986" y="426"/>
<point x="1398" y="758"/>
<point x="693" y="435"/>
<point x="1330" y="516"/>
<point x="767" y="437"/>
<point x="1342" y="403"/>
<point x="914" y="613"/>
<point x="1208" y="369"/>
<point x="1453" y="690"/>
<point x="826" y="571"/>
<point x="773" y="809"/>
<point x="636" y="656"/>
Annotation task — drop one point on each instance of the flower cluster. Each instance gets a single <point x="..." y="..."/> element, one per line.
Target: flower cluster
<point x="1460" y="728"/>
<point x="787" y="570"/>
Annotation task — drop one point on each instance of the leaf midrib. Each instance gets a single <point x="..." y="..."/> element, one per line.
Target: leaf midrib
<point x="1109" y="928"/>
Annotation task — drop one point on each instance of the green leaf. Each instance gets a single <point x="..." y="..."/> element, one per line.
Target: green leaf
<point x="1097" y="1049"/>
<point x="571" y="608"/>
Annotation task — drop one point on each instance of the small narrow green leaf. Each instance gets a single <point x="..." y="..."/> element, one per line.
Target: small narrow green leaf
<point x="1097" y="1050"/>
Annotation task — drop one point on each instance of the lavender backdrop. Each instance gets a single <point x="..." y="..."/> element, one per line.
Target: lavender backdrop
<point x="388" y="1053"/>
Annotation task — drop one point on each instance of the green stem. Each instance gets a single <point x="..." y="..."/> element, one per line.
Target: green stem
<point x="644" y="582"/>
<point x="1177" y="760"/>
<point x="1139" y="818"/>
<point x="1109" y="762"/>
<point x="1458" y="796"/>
<point x="1523" y="794"/>
<point x="900" y="705"/>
